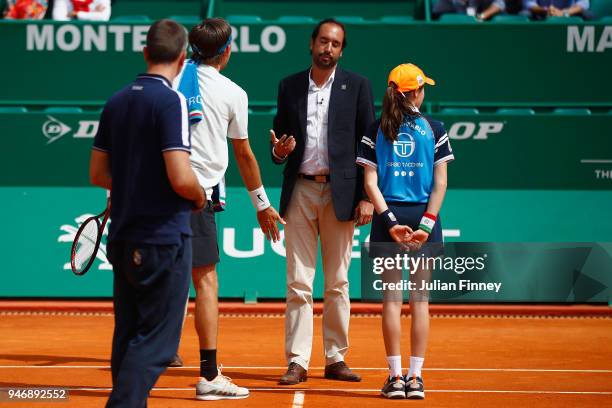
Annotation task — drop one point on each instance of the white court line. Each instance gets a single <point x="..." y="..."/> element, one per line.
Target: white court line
<point x="532" y="370"/>
<point x="367" y="390"/>
<point x="298" y="399"/>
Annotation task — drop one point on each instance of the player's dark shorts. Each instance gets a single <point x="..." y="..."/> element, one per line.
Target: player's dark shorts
<point x="205" y="242"/>
<point x="409" y="214"/>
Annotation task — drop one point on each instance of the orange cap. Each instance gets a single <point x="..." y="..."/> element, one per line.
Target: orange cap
<point x="408" y="77"/>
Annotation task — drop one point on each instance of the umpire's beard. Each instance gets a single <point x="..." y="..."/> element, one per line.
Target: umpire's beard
<point x="321" y="64"/>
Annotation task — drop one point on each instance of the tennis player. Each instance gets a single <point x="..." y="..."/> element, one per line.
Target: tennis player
<point x="141" y="153"/>
<point x="218" y="110"/>
<point x="405" y="157"/>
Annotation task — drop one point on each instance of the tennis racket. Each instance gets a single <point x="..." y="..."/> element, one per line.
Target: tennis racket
<point x="87" y="241"/>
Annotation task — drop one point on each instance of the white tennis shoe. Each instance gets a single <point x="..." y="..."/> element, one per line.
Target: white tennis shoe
<point x="221" y="387"/>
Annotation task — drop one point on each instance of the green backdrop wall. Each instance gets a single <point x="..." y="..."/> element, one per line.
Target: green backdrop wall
<point x="518" y="176"/>
<point x="475" y="64"/>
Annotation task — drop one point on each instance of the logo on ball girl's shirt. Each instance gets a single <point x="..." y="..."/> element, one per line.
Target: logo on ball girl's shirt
<point x="404" y="148"/>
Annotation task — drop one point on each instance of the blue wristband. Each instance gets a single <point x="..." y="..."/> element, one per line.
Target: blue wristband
<point x="389" y="219"/>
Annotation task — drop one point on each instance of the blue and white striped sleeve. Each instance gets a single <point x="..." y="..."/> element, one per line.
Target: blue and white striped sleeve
<point x="443" y="151"/>
<point x="366" y="151"/>
<point x="174" y="124"/>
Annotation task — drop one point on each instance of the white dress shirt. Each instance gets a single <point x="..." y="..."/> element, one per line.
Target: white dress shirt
<point x="316" y="160"/>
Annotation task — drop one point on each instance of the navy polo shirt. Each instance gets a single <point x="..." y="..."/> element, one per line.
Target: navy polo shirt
<point x="138" y="124"/>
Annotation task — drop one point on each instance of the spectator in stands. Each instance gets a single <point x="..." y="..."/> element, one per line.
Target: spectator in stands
<point x="514" y="6"/>
<point x="540" y="9"/>
<point x="89" y="10"/>
<point x="25" y="9"/>
<point x="481" y="9"/>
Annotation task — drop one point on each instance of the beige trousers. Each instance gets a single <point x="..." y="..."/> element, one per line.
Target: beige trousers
<point x="311" y="215"/>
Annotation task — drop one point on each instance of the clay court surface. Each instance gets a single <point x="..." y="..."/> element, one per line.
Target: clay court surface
<point x="472" y="361"/>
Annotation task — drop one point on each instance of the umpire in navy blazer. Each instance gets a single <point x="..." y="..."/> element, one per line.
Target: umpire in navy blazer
<point x="323" y="112"/>
<point x="350" y="112"/>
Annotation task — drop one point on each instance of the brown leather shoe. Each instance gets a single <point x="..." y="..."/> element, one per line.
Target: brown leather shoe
<point x="341" y="372"/>
<point x="176" y="361"/>
<point x="295" y="374"/>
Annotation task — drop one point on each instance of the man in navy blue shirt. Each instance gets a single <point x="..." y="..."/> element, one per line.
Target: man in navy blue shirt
<point x="481" y="9"/>
<point x="540" y="9"/>
<point x="141" y="153"/>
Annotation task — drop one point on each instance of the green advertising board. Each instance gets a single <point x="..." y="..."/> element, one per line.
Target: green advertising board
<point x="39" y="224"/>
<point x="528" y="64"/>
<point x="493" y="151"/>
<point x="499" y="151"/>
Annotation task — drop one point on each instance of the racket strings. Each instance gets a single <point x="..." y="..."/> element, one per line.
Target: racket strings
<point x="86" y="244"/>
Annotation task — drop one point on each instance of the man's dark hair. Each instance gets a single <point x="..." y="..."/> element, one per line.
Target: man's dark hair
<point x="208" y="40"/>
<point x="166" y="40"/>
<point x="315" y="32"/>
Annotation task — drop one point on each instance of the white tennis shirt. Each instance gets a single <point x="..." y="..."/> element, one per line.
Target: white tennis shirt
<point x="225" y="108"/>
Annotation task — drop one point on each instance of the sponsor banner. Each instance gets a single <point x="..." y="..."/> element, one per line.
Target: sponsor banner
<point x="543" y="151"/>
<point x="39" y="225"/>
<point x="265" y="52"/>
<point x="132" y="38"/>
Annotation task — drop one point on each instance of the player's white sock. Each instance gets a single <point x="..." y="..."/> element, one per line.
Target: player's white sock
<point x="395" y="365"/>
<point x="416" y="365"/>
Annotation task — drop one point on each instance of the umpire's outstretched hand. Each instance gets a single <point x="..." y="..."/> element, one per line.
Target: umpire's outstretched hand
<point x="283" y="146"/>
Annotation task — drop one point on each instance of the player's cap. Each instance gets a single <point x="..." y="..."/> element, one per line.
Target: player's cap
<point x="408" y="77"/>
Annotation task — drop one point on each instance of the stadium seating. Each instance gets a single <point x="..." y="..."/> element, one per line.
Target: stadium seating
<point x="601" y="8"/>
<point x="243" y="19"/>
<point x="63" y="109"/>
<point x="13" y="109"/>
<point x="459" y="111"/>
<point x="396" y="20"/>
<point x="187" y="20"/>
<point x="509" y="19"/>
<point x="563" y="20"/>
<point x="156" y="9"/>
<point x="572" y="111"/>
<point x="457" y="19"/>
<point x="515" y="111"/>
<point x="317" y="9"/>
<point x="136" y="18"/>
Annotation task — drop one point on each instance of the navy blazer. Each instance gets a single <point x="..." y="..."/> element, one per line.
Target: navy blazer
<point x="351" y="111"/>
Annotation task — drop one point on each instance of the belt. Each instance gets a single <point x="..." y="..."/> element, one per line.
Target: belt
<point x="324" y="178"/>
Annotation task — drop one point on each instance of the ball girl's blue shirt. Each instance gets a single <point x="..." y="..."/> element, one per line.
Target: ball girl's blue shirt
<point x="405" y="167"/>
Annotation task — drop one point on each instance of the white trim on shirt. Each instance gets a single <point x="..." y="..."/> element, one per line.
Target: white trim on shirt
<point x="444" y="159"/>
<point x="366" y="162"/>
